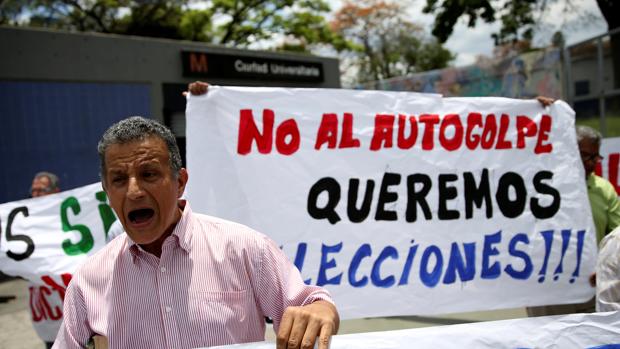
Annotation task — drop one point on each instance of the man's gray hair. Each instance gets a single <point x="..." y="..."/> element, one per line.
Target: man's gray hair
<point x="588" y="133"/>
<point x="137" y="128"/>
<point x="54" y="181"/>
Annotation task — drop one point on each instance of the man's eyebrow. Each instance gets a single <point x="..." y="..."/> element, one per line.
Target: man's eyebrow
<point x="115" y="171"/>
<point x="150" y="162"/>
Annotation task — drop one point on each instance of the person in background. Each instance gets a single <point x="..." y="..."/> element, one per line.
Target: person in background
<point x="602" y="194"/>
<point x="179" y="279"/>
<point x="606" y="214"/>
<point x="605" y="209"/>
<point x="44" y="183"/>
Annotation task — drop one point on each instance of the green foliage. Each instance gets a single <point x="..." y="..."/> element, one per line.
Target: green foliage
<point x="432" y="55"/>
<point x="447" y="12"/>
<point x="386" y="43"/>
<point x="519" y="18"/>
<point x="250" y="21"/>
<point x="158" y="19"/>
<point x="228" y="22"/>
<point x="196" y="25"/>
<point x="10" y="11"/>
<point x="517" y="22"/>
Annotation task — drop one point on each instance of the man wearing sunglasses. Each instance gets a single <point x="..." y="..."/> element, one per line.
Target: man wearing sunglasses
<point x="602" y="194"/>
<point x="605" y="209"/>
<point x="606" y="214"/>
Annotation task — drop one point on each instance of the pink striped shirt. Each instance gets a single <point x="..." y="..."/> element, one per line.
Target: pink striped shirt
<point x="213" y="285"/>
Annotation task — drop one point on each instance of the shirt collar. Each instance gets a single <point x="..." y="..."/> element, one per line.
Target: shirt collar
<point x="181" y="233"/>
<point x="184" y="229"/>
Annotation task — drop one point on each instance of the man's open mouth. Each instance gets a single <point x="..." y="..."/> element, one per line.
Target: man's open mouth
<point x="141" y="215"/>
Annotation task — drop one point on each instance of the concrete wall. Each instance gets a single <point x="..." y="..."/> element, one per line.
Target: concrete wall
<point x="45" y="55"/>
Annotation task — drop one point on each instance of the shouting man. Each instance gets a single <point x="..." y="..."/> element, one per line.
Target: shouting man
<point x="179" y="279"/>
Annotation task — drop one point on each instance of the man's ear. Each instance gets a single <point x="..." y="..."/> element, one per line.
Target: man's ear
<point x="182" y="179"/>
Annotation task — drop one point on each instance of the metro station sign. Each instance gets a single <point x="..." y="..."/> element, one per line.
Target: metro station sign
<point x="203" y="64"/>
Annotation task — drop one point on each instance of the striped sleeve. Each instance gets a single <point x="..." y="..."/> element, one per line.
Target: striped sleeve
<point x="280" y="284"/>
<point x="608" y="274"/>
<point x="74" y="332"/>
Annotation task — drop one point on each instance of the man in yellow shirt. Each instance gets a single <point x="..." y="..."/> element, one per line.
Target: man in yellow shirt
<point x="605" y="212"/>
<point x="602" y="194"/>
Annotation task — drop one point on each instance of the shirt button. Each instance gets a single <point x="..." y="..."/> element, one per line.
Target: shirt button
<point x="163" y="269"/>
<point x="168" y="309"/>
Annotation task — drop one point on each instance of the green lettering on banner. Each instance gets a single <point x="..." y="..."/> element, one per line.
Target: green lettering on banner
<point x="86" y="242"/>
<point x="105" y="212"/>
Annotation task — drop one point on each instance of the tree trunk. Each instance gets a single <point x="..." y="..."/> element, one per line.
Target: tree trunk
<point x="609" y="9"/>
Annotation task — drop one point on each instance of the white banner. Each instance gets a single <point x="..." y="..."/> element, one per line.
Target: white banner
<point x="44" y="239"/>
<point x="592" y="331"/>
<point x="401" y="203"/>
<point x="269" y="192"/>
<point x="51" y="235"/>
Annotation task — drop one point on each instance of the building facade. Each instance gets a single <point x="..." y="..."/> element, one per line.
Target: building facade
<point x="59" y="91"/>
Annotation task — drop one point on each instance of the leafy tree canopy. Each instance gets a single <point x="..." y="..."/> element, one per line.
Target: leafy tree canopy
<point x="386" y="43"/>
<point x="229" y="22"/>
<point x="519" y="18"/>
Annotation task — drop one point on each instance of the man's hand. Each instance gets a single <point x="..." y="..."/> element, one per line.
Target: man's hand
<point x="300" y="326"/>
<point x="592" y="280"/>
<point x="196" y="88"/>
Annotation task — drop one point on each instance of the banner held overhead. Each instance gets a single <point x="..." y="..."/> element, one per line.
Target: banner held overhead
<point x="422" y="204"/>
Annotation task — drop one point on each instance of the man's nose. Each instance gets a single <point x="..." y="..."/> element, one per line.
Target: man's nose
<point x="134" y="190"/>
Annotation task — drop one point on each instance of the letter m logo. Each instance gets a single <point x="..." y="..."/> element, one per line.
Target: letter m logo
<point x="198" y="63"/>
